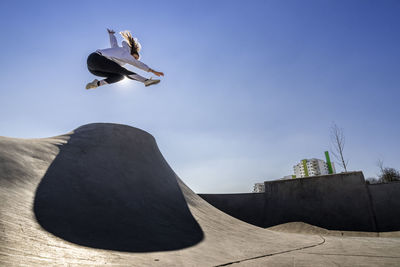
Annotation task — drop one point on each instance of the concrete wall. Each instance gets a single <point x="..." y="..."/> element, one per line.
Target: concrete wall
<point x="248" y="207"/>
<point x="335" y="202"/>
<point x="386" y="205"/>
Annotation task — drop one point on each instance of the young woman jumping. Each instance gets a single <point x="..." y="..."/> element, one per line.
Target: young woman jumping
<point x="108" y="62"/>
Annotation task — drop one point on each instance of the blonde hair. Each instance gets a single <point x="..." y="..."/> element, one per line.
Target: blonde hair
<point x="132" y="42"/>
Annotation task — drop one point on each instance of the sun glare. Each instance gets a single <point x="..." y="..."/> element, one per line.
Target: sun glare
<point x="127" y="85"/>
<point x="124" y="83"/>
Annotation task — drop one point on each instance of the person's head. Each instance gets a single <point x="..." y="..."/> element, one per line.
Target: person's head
<point x="133" y="44"/>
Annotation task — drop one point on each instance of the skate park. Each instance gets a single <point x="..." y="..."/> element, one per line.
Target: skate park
<point x="103" y="194"/>
<point x="132" y="133"/>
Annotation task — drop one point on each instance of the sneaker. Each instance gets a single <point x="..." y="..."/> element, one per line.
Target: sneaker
<point x="150" y="81"/>
<point x="92" y="84"/>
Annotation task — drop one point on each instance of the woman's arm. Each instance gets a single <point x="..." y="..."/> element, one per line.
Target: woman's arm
<point x="113" y="40"/>
<point x="134" y="62"/>
<point x="158" y="73"/>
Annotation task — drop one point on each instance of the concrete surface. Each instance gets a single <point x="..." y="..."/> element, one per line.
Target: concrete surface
<point x="110" y="176"/>
<point x="342" y="202"/>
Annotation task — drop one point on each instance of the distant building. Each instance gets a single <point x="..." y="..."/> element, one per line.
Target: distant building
<point x="306" y="168"/>
<point x="314" y="167"/>
<point x="259" y="188"/>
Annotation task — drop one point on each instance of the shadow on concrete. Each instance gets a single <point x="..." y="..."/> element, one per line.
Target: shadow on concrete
<point x="110" y="188"/>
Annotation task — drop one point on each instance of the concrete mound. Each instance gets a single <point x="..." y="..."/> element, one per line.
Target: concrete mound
<point x="110" y="187"/>
<point x="299" y="227"/>
<point x="104" y="195"/>
<point x="305" y="228"/>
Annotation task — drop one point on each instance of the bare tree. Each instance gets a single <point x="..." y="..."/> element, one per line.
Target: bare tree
<point x="338" y="141"/>
<point x="387" y="174"/>
<point x="380" y="165"/>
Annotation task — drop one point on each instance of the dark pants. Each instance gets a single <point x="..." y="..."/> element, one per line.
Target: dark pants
<point x="104" y="67"/>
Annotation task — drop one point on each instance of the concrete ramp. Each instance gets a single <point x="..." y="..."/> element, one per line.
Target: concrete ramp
<point x="109" y="187"/>
<point x="104" y="195"/>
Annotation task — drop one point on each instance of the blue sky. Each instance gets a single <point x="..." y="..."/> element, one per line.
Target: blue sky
<point x="250" y="87"/>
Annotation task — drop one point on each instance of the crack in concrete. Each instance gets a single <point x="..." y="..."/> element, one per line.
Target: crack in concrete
<point x="273" y="254"/>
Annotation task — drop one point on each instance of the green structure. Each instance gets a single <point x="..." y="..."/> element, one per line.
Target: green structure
<point x="304" y="161"/>
<point x="328" y="162"/>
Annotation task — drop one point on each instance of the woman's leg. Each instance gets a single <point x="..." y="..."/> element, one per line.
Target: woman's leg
<point x="111" y="77"/>
<point x="97" y="62"/>
<point x="103" y="67"/>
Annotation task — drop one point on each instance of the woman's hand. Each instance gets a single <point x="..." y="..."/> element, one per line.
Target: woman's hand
<point x="158" y="73"/>
<point x="110" y="31"/>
